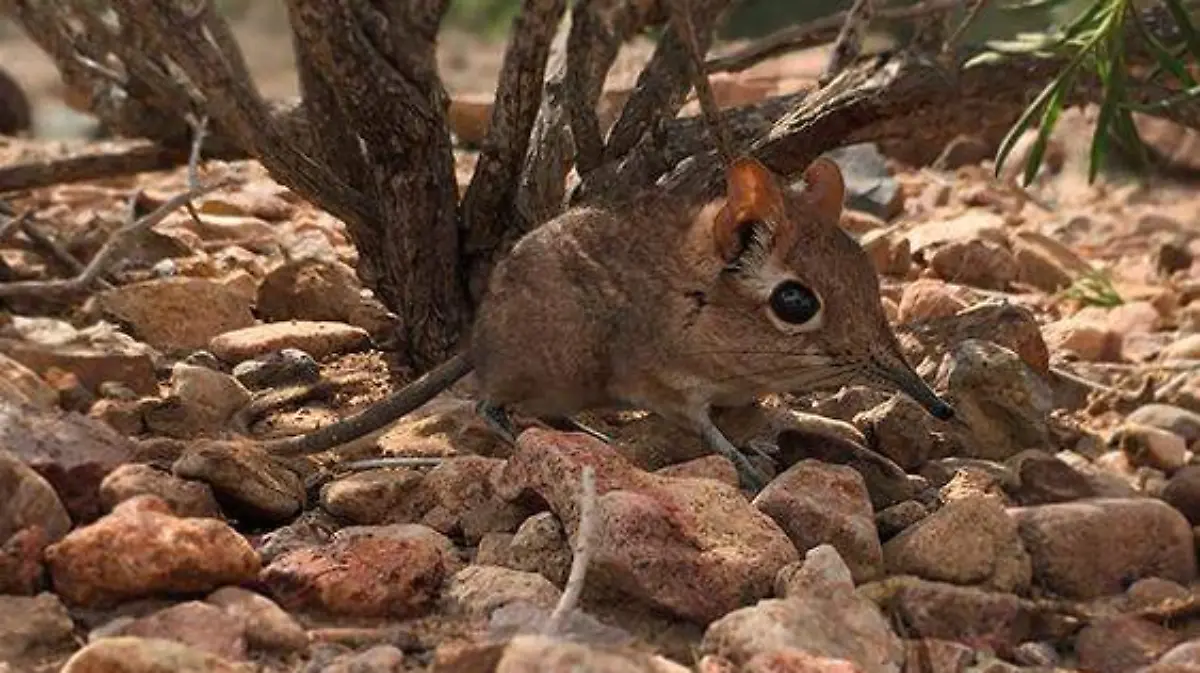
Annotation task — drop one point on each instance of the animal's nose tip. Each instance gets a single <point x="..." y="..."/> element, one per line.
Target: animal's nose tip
<point x="909" y="383"/>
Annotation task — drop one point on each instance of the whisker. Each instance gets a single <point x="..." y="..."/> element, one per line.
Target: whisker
<point x="823" y="373"/>
<point x="836" y="358"/>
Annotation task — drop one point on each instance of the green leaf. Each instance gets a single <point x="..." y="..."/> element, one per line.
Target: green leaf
<point x="1178" y="54"/>
<point x="1022" y="46"/>
<point x="1022" y="123"/>
<point x="984" y="58"/>
<point x="1128" y="134"/>
<point x="1166" y="60"/>
<point x="1184" y="22"/>
<point x="1100" y="11"/>
<point x="1094" y="287"/>
<point x="1160" y="105"/>
<point x="1108" y="108"/>
<point x="1053" y="109"/>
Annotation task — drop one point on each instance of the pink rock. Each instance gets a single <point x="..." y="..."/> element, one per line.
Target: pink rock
<point x="199" y="625"/>
<point x="73" y="452"/>
<point x="464" y="488"/>
<point x="176" y="314"/>
<point x="128" y="653"/>
<point x="818" y="503"/>
<point x="976" y="263"/>
<point x="29" y="501"/>
<point x="547" y="655"/>
<point x="981" y="619"/>
<point x="837" y="624"/>
<point x="267" y="625"/>
<point x="1095" y="547"/>
<point x="1135" y="317"/>
<point x="361" y="575"/>
<point x="1121" y="644"/>
<point x="1086" y="339"/>
<point x="938" y="655"/>
<point x="797" y="661"/>
<point x="142" y="549"/>
<point x="706" y="467"/>
<point x="21" y="562"/>
<point x="186" y="498"/>
<point x="695" y="548"/>
<point x="927" y="299"/>
<point x="318" y="339"/>
<point x="967" y="541"/>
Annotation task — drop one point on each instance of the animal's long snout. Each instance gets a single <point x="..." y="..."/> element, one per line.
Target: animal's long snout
<point x="898" y="374"/>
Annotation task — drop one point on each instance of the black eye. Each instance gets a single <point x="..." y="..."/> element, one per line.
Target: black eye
<point x="794" y="303"/>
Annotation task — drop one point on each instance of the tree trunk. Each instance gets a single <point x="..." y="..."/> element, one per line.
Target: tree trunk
<point x="377" y="111"/>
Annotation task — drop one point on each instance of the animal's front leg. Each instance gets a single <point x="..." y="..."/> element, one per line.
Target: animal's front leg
<point x="749" y="476"/>
<point x="498" y="421"/>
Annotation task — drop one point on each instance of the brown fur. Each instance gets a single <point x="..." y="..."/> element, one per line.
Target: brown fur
<point x="598" y="308"/>
<point x="664" y="304"/>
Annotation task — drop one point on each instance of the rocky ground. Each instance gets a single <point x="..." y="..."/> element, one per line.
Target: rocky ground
<point x="1051" y="529"/>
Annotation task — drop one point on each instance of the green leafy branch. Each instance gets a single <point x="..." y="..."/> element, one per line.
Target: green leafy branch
<point x="1096" y="40"/>
<point x="1094" y="288"/>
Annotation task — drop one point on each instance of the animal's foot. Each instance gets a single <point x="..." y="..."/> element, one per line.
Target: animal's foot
<point x="750" y="477"/>
<point x="764" y="449"/>
<point x="498" y="421"/>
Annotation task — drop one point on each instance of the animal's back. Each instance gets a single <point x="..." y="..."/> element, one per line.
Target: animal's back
<point x="541" y="336"/>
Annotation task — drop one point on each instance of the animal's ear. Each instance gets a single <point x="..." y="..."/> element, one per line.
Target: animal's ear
<point x="825" y="188"/>
<point x="753" y="203"/>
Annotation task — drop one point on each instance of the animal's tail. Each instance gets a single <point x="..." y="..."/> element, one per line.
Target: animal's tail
<point x="374" y="417"/>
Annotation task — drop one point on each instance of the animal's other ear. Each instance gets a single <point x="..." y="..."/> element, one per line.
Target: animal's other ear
<point x="753" y="205"/>
<point x="825" y="188"/>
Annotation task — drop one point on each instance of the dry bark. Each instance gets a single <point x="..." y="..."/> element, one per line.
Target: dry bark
<point x="378" y="113"/>
<point x="493" y="187"/>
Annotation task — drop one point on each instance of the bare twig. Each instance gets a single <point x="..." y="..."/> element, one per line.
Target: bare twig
<point x="814" y="33"/>
<point x="567" y="126"/>
<point x="584" y="545"/>
<point x="377" y="61"/>
<point x="663" y="84"/>
<point x="951" y="43"/>
<point x="848" y="45"/>
<point x="115" y="248"/>
<point x="199" y="131"/>
<point x="518" y="97"/>
<point x="11" y="224"/>
<point x="598" y="29"/>
<point x="58" y="252"/>
<point x="686" y="28"/>
<point x="78" y="168"/>
<point x="197" y="40"/>
<point x="390" y="462"/>
<point x="342" y="469"/>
